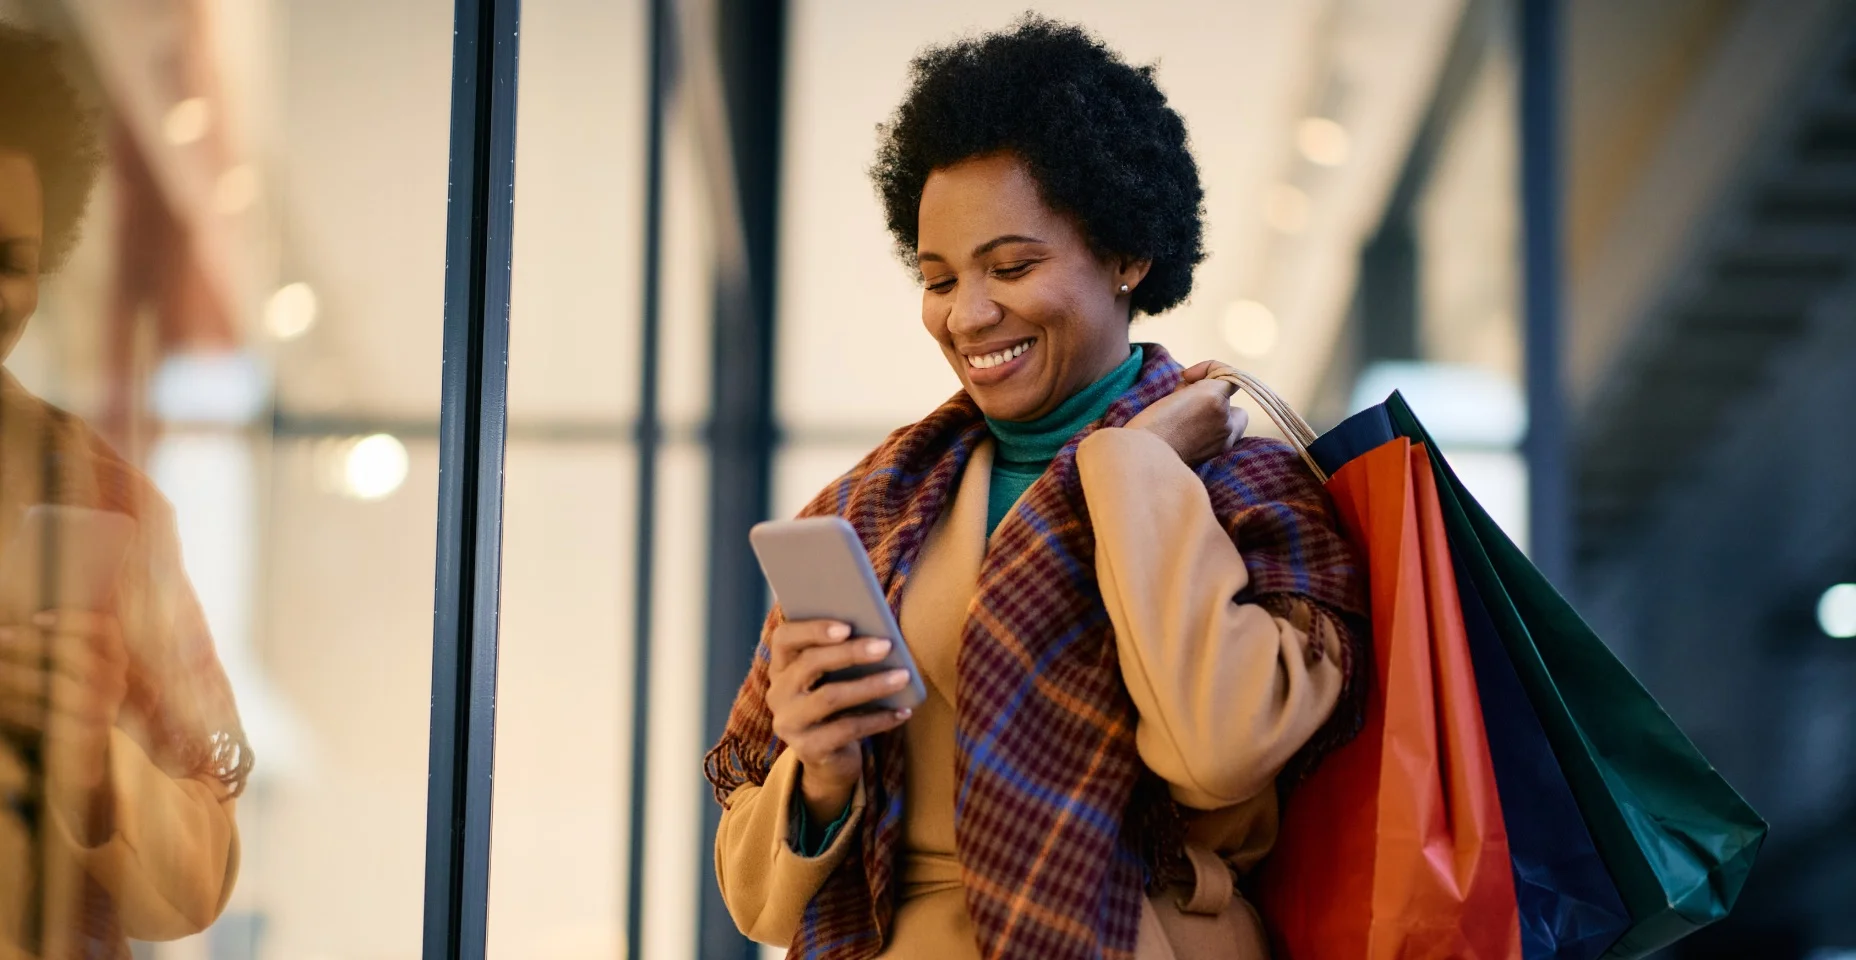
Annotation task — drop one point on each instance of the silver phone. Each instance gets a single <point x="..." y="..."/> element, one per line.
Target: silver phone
<point x="819" y="571"/>
<point x="62" y="557"/>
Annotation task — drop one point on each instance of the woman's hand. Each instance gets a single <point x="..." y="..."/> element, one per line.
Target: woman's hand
<point x="806" y="713"/>
<point x="1197" y="420"/>
<point x="63" y="678"/>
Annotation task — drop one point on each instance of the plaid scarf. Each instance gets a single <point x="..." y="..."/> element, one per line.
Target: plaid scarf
<point x="1060" y="828"/>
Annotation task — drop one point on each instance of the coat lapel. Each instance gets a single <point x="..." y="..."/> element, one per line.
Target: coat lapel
<point x="941" y="588"/>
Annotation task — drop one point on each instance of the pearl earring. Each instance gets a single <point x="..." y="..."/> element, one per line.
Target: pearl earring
<point x="1124" y="288"/>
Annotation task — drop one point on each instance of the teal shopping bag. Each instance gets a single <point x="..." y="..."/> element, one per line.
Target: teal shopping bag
<point x="1676" y="838"/>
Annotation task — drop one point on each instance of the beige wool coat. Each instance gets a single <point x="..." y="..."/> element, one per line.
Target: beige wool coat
<point x="171" y="856"/>
<point x="1226" y="694"/>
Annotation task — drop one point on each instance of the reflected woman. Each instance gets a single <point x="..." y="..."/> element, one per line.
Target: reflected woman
<point x="121" y="753"/>
<point x="1133" y="624"/>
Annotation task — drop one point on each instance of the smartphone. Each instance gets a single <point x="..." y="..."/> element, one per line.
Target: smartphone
<point x="62" y="557"/>
<point x="819" y="571"/>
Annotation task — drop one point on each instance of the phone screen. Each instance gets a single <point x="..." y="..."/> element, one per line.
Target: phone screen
<point x="62" y="558"/>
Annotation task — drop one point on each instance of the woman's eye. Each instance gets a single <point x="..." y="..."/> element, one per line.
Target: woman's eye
<point x="940" y="286"/>
<point x="1012" y="271"/>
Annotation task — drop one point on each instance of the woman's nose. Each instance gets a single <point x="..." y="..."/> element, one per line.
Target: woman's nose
<point x="973" y="310"/>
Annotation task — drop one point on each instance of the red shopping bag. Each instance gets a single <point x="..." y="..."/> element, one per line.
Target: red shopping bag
<point x="1394" y="849"/>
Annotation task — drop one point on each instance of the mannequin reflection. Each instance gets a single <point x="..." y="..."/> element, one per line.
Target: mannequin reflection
<point x="121" y="753"/>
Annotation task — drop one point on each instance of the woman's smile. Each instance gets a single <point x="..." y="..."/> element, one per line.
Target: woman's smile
<point x="992" y="363"/>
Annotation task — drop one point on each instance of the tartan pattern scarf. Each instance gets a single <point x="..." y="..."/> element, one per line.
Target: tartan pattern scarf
<point x="1059" y="827"/>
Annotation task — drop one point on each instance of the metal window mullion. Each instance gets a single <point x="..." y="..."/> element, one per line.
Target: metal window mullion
<point x="473" y="411"/>
<point x="741" y="83"/>
<point x="661" y="65"/>
<point x="1549" y="488"/>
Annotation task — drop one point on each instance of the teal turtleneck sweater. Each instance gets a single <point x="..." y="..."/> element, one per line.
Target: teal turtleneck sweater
<point x="1024" y="450"/>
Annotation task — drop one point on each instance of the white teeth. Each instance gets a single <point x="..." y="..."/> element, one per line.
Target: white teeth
<point x="989" y="360"/>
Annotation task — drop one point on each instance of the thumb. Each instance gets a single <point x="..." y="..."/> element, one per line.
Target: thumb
<point x="1198" y="371"/>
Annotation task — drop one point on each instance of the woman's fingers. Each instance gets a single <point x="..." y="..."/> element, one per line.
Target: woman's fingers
<point x="82" y="622"/>
<point x="798" y="714"/>
<point x="21" y="715"/>
<point x="28" y="696"/>
<point x="1224" y="390"/>
<point x="1239" y="423"/>
<point x="30" y="689"/>
<point x="794" y="637"/>
<point x="1208" y="369"/>
<point x="77" y="643"/>
<point x="22" y="697"/>
<point x="819" y="705"/>
<point x="88" y="669"/>
<point x="813" y="663"/>
<point x="828" y="738"/>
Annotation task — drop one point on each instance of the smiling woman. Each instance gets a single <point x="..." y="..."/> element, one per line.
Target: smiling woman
<point x="121" y="751"/>
<point x="1113" y="688"/>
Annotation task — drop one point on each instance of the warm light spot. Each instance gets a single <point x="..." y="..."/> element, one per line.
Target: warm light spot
<point x="291" y="311"/>
<point x="187" y="121"/>
<point x="1250" y="328"/>
<point x="236" y="190"/>
<point x="376" y="466"/>
<point x="1286" y="208"/>
<point x="1323" y="141"/>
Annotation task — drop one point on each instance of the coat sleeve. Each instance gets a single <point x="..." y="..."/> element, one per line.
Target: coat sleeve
<point x="1227" y="692"/>
<point x="172" y="857"/>
<point x="765" y="881"/>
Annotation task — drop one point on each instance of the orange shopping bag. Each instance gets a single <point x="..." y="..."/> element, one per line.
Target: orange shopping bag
<point x="1394" y="849"/>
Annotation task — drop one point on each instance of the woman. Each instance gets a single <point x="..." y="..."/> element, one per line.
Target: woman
<point x="121" y="753"/>
<point x="1129" y="622"/>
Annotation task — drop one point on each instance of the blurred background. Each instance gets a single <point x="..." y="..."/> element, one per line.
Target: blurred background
<point x="1604" y="246"/>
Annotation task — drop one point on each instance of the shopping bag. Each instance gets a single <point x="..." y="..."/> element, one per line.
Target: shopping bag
<point x="1569" y="907"/>
<point x="1676" y="838"/>
<point x="1394" y="848"/>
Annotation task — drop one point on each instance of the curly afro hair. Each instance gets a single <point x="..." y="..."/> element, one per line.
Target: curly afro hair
<point x="1096" y="133"/>
<point x="42" y="116"/>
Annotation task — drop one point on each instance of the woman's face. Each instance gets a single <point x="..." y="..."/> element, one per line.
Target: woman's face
<point x="1025" y="312"/>
<point x="22" y="231"/>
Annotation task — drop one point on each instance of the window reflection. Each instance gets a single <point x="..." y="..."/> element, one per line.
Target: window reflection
<point x="121" y="749"/>
<point x="221" y="271"/>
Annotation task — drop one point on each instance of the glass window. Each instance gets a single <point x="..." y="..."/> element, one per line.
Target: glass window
<point x="224" y="230"/>
<point x="565" y="740"/>
<point x="1469" y="294"/>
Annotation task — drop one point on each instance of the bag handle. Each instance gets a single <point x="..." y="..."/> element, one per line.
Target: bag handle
<point x="1212" y="886"/>
<point x="1294" y="429"/>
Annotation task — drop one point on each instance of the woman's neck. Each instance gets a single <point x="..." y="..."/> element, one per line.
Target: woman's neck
<point x="1038" y="441"/>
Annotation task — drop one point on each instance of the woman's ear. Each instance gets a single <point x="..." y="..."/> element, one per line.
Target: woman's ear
<point x="1130" y="273"/>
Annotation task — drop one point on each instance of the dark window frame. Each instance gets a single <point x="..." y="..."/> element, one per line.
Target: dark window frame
<point x="472" y="416"/>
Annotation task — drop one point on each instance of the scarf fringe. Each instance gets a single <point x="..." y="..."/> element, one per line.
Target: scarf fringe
<point x="728" y="767"/>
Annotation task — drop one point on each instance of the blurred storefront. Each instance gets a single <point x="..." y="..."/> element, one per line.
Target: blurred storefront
<point x="705" y="322"/>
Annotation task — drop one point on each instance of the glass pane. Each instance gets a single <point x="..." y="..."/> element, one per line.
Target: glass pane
<point x="1469" y="289"/>
<point x="560" y="848"/>
<point x="217" y="748"/>
<point x="1468" y="223"/>
<point x="563" y="706"/>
